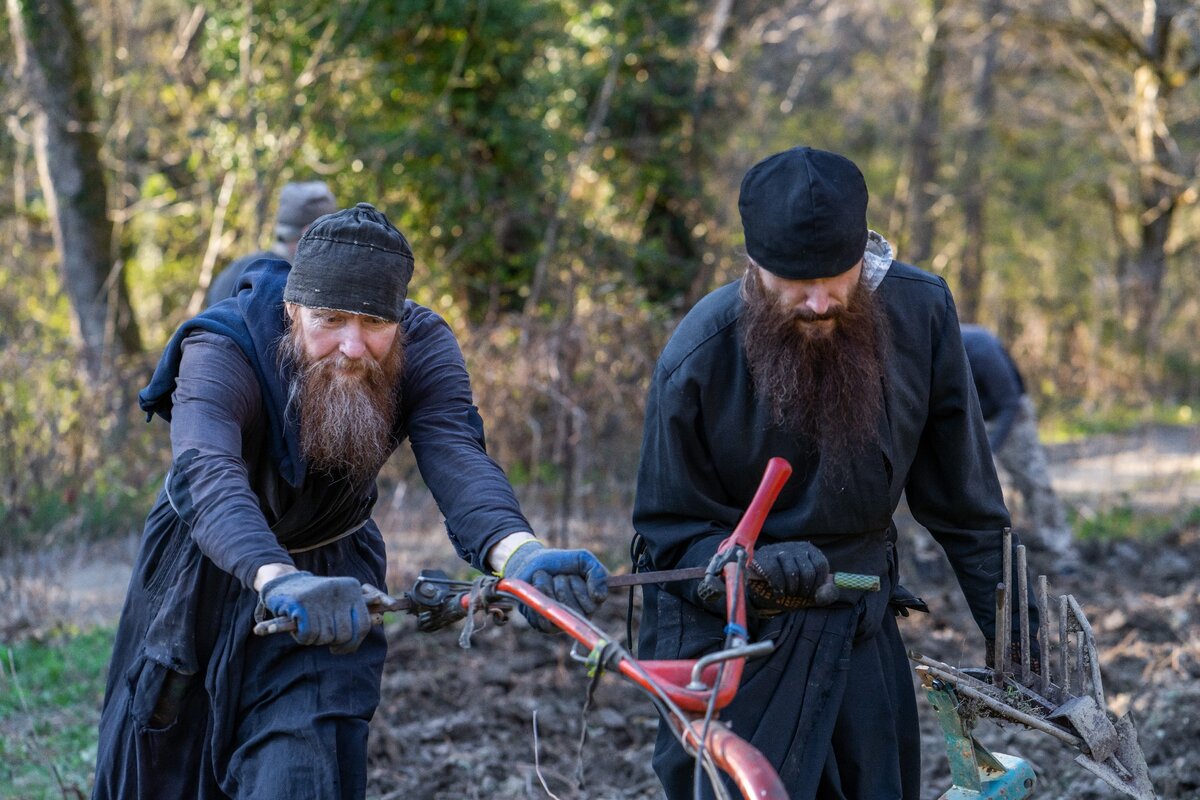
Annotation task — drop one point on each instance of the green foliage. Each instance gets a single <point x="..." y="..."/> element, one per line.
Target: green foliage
<point x="50" y="694"/>
<point x="1066" y="424"/>
<point x="602" y="143"/>
<point x="1128" y="522"/>
<point x="72" y="464"/>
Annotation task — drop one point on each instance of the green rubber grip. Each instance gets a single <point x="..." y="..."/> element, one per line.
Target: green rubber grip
<point x="853" y="580"/>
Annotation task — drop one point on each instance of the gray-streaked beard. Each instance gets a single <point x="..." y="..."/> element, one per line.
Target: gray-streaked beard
<point x="346" y="407"/>
<point x="826" y="385"/>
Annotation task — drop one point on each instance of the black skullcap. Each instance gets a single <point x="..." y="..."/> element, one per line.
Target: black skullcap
<point x="804" y="213"/>
<point x="352" y="260"/>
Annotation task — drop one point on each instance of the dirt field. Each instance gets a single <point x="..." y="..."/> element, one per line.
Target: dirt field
<point x="460" y="723"/>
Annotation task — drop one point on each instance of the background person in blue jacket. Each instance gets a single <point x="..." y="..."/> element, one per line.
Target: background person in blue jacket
<point x="848" y="364"/>
<point x="284" y="402"/>
<point x="1011" y="420"/>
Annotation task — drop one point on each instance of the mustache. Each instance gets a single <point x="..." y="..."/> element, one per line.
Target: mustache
<point x="358" y="367"/>
<point x="808" y="315"/>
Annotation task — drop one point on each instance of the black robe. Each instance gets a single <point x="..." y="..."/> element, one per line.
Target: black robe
<point x="706" y="442"/>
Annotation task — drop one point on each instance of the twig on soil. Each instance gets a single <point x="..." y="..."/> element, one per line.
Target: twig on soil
<point x="537" y="764"/>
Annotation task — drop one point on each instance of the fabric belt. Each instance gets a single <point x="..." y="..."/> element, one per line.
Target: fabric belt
<point x="330" y="540"/>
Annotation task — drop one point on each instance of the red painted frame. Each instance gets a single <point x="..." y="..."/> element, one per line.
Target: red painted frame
<point x="750" y="770"/>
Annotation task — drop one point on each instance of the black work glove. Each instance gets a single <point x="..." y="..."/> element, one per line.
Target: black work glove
<point x="328" y="611"/>
<point x="573" y="577"/>
<point x="789" y="575"/>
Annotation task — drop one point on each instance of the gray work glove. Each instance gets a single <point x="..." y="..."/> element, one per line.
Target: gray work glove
<point x="789" y="575"/>
<point x="328" y="611"/>
<point x="573" y="577"/>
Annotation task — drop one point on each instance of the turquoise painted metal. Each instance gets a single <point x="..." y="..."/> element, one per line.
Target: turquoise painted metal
<point x="978" y="774"/>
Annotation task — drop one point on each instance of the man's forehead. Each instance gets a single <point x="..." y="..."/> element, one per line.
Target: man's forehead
<point x="322" y="312"/>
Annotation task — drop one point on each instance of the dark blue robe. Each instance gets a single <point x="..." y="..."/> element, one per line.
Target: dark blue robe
<point x="196" y="705"/>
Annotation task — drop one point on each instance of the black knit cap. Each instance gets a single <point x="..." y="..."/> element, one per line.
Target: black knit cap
<point x="352" y="260"/>
<point x="804" y="213"/>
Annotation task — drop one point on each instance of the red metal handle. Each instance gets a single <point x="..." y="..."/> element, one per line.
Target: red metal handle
<point x="746" y="533"/>
<point x="676" y="674"/>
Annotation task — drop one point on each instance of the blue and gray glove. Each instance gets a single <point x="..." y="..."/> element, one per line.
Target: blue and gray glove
<point x="573" y="577"/>
<point x="328" y="611"/>
<point x="789" y="575"/>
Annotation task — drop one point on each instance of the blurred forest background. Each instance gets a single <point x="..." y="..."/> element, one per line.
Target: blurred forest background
<point x="567" y="173"/>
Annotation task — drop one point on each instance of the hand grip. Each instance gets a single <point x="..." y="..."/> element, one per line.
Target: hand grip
<point x="854" y="580"/>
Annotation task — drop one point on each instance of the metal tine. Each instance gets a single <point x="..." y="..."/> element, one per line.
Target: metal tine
<point x="1088" y="639"/>
<point x="1004" y="621"/>
<point x="1080" y="646"/>
<point x="1023" y="612"/>
<point x="1043" y="607"/>
<point x="1064" y="644"/>
<point x="1007" y="653"/>
<point x="998" y="644"/>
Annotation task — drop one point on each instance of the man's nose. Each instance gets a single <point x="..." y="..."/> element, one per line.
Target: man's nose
<point x="816" y="300"/>
<point x="352" y="344"/>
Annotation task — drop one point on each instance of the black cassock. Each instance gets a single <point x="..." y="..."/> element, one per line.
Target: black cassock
<point x="833" y="707"/>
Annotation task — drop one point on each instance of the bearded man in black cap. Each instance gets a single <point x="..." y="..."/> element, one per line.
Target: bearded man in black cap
<point x="284" y="402"/>
<point x="848" y="364"/>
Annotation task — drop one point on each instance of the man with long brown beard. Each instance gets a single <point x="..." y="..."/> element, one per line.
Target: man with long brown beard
<point x="284" y="402"/>
<point x="848" y="364"/>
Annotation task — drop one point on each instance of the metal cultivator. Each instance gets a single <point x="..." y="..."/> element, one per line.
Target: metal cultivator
<point x="1062" y="697"/>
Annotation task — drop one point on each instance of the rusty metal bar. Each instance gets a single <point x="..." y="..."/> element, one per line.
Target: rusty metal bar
<point x="1080" y="672"/>
<point x="1004" y="612"/>
<point x="1043" y="607"/>
<point x="1023" y="612"/>
<point x="998" y="651"/>
<point x="1064" y="645"/>
<point x="1089" y="639"/>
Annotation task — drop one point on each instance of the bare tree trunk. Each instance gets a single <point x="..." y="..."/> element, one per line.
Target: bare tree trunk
<point x="969" y="292"/>
<point x="708" y="54"/>
<point x="52" y="62"/>
<point x="1133" y="71"/>
<point x="926" y="136"/>
<point x="1157" y="188"/>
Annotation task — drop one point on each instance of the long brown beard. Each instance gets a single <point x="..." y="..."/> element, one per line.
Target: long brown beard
<point x="346" y="407"/>
<point x="826" y="385"/>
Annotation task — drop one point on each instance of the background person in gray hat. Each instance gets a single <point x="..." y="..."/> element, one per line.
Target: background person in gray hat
<point x="299" y="205"/>
<point x="849" y="364"/>
<point x="283" y="404"/>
